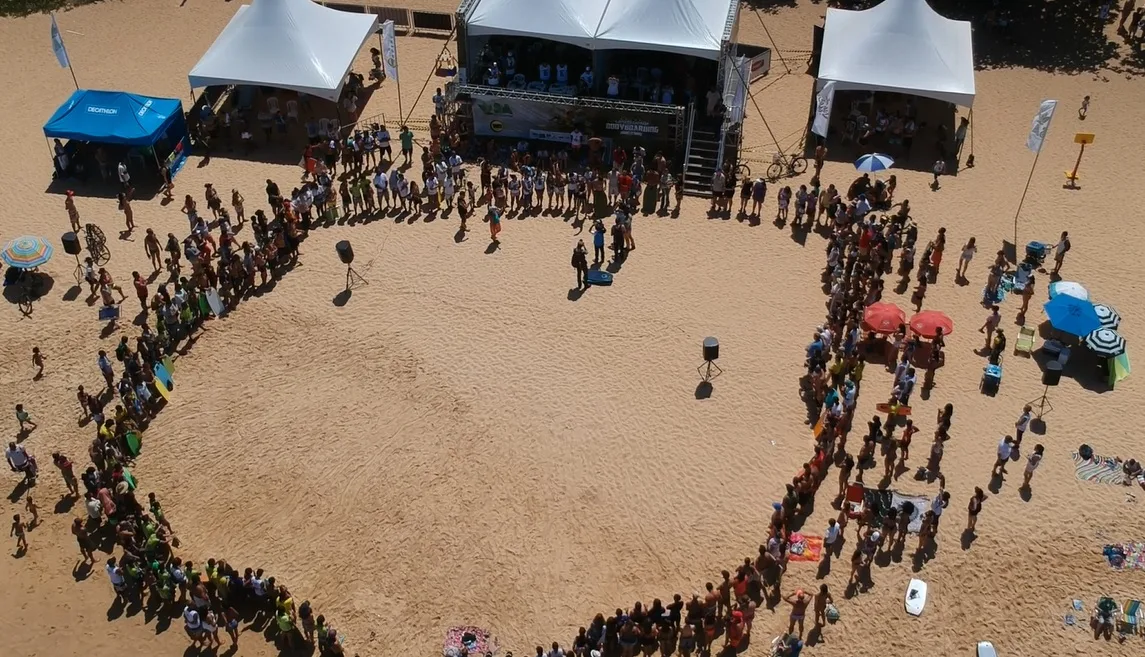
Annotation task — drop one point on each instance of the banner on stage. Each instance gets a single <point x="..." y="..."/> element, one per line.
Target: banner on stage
<point x="1041" y="125"/>
<point x="497" y="116"/>
<point x="389" y="51"/>
<point x="824" y="100"/>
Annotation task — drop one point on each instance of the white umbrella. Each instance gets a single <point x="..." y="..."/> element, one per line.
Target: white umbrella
<point x="1069" y="289"/>
<point x="872" y="162"/>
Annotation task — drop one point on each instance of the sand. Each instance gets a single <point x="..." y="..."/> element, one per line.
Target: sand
<point x="461" y="443"/>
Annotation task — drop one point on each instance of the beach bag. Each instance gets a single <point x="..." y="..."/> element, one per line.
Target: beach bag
<point x="832" y="613"/>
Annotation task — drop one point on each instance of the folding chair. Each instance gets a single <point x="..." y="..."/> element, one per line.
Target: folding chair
<point x="324" y="127"/>
<point x="1131" y="613"/>
<point x="292" y="109"/>
<point x="272" y="104"/>
<point x="334" y="128"/>
<point x="853" y="502"/>
<point x="1026" y="339"/>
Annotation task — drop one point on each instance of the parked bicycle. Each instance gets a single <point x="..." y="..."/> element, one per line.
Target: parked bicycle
<point x="784" y="166"/>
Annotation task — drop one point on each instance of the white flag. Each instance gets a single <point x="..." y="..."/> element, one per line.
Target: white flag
<point x="1041" y="125"/>
<point x="389" y="51"/>
<point x="58" y="45"/>
<point x="823" y="102"/>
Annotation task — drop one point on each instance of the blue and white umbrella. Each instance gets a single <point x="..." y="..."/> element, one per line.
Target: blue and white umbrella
<point x="1070" y="289"/>
<point x="1108" y="316"/>
<point x="1105" y="342"/>
<point x="872" y="162"/>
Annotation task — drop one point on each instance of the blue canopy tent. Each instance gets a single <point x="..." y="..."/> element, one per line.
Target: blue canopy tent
<point x="118" y="118"/>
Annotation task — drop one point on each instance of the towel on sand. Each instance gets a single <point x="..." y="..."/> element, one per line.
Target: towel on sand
<point x="805" y="548"/>
<point x="1100" y="469"/>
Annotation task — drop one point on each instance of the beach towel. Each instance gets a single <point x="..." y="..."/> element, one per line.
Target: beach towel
<point x="805" y="548"/>
<point x="475" y="640"/>
<point x="920" y="503"/>
<point x="1099" y="469"/>
<point x="1125" y="556"/>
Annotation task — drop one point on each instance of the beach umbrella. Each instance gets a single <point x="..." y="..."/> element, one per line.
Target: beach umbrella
<point x="927" y="323"/>
<point x="1069" y="288"/>
<point x="27" y="252"/>
<point x="872" y="162"/>
<point x="1105" y="342"/>
<point x="883" y="317"/>
<point x="1108" y="316"/>
<point x="1072" y="315"/>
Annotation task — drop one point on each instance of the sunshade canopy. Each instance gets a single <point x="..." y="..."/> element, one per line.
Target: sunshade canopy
<point x="686" y="27"/>
<point x="899" y="45"/>
<point x="113" y="117"/>
<point x="288" y="44"/>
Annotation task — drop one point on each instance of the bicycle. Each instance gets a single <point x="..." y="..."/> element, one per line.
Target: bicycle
<point x="742" y="171"/>
<point x="784" y="166"/>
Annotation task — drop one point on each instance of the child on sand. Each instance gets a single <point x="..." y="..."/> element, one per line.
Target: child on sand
<point x="24" y="419"/>
<point x="37" y="362"/>
<point x="19" y="531"/>
<point x="32" y="508"/>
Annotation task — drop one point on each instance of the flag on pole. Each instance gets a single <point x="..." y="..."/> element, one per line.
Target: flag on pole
<point x="389" y="51"/>
<point x="1041" y="125"/>
<point x="823" y="102"/>
<point x="58" y="45"/>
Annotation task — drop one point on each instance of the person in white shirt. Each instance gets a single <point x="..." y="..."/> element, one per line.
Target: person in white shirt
<point x="586" y="78"/>
<point x="382" y="188"/>
<point x="1063" y="247"/>
<point x="403" y="192"/>
<point x="1005" y="449"/>
<point x="613" y="86"/>
<point x="831" y="536"/>
<point x="439" y="104"/>
<point x="1032" y="463"/>
<point x="514" y="193"/>
<point x="441" y="170"/>
<point x="116" y="576"/>
<point x="124" y="176"/>
<point x="455" y="167"/>
<point x="576" y="139"/>
<point x="1022" y="424"/>
<point x="431" y="188"/>
<point x="384" y="145"/>
<point x="21" y="461"/>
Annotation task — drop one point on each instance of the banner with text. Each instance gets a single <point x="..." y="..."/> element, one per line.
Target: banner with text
<point x="495" y="116"/>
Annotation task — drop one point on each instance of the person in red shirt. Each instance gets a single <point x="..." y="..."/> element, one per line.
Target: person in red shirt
<point x="140" y="289"/>
<point x="625" y="184"/>
<point x="619" y="157"/>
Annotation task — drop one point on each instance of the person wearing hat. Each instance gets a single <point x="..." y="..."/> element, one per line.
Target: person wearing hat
<point x="798" y="601"/>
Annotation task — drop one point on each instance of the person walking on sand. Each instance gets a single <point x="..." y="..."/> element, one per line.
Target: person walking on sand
<point x="106" y="369"/>
<point x="1027" y="294"/>
<point x="1032" y="463"/>
<point x="938" y="170"/>
<point x="73" y="212"/>
<point x="1083" y="111"/>
<point x="125" y="207"/>
<point x="38" y="363"/>
<point x="991" y="324"/>
<point x="153" y="249"/>
<point x="65" y="465"/>
<point x="798" y="601"/>
<point x="1063" y="246"/>
<point x="31" y="507"/>
<point x="141" y="291"/>
<point x="25" y="419"/>
<point x="494" y="215"/>
<point x="1005" y="449"/>
<point x="20" y="531"/>
<point x="968" y="251"/>
<point x="822" y="599"/>
<point x="974" y="508"/>
<point x="86" y="545"/>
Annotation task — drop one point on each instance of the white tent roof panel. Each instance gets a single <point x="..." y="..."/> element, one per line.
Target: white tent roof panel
<point x="288" y="44"/>
<point x="689" y="27"/>
<point x="899" y="45"/>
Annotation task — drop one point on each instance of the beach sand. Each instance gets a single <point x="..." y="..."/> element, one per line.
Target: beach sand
<point x="461" y="443"/>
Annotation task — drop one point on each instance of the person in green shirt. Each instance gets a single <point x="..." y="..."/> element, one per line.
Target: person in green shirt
<point x="285" y="627"/>
<point x="406" y="137"/>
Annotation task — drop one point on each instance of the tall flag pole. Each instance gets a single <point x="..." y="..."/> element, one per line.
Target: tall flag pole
<point x="1034" y="141"/>
<point x="61" y="51"/>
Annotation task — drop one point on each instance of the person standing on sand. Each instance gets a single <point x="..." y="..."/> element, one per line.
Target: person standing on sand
<point x="1022" y="424"/>
<point x="153" y="249"/>
<point x="1032" y="463"/>
<point x="125" y="206"/>
<point x="38" y="363"/>
<point x="580" y="264"/>
<point x="494" y="216"/>
<point x="86" y="545"/>
<point x="106" y="369"/>
<point x="974" y="509"/>
<point x="822" y="599"/>
<point x="73" y="213"/>
<point x="1005" y="449"/>
<point x="1027" y="294"/>
<point x="968" y="251"/>
<point x="65" y="465"/>
<point x="20" y="531"/>
<point x="1063" y="247"/>
<point x="820" y="157"/>
<point x="798" y="601"/>
<point x="991" y="324"/>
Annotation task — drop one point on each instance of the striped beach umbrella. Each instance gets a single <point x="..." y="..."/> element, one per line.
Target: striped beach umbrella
<point x="1108" y="316"/>
<point x="1105" y="342"/>
<point x="1069" y="289"/>
<point x="27" y="252"/>
<point x="872" y="162"/>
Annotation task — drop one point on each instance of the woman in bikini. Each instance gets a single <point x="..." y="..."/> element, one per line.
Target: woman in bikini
<point x="974" y="508"/>
<point x="687" y="643"/>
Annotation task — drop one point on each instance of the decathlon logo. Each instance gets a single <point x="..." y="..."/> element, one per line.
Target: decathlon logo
<point x="143" y="110"/>
<point x="93" y="109"/>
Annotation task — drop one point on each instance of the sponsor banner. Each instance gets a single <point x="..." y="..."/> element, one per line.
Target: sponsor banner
<point x="824" y="100"/>
<point x="495" y="116"/>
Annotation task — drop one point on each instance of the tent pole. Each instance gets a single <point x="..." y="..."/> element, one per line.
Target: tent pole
<point x="430" y="77"/>
<point x="775" y="47"/>
<point x="971" y="132"/>
<point x="1023" y="200"/>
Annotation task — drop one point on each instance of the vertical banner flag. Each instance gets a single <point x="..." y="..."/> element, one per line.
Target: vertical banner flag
<point x="58" y="45"/>
<point x="1041" y="125"/>
<point x="823" y="102"/>
<point x="389" y="51"/>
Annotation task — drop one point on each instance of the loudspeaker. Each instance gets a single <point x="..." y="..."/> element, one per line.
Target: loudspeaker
<point x="711" y="349"/>
<point x="71" y="243"/>
<point x="345" y="252"/>
<point x="1053" y="373"/>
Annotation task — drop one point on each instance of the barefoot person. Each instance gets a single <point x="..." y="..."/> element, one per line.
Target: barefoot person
<point x="1032" y="463"/>
<point x="974" y="508"/>
<point x="798" y="601"/>
<point x="1063" y="246"/>
<point x="822" y="599"/>
<point x="1005" y="449"/>
<point x="20" y="531"/>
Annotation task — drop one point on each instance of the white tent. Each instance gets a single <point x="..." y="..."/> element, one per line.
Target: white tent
<point x="687" y="27"/>
<point x="899" y="45"/>
<point x="288" y="44"/>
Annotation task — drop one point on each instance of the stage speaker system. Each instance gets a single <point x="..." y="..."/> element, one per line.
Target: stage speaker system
<point x="711" y="349"/>
<point x="345" y="252"/>
<point x="71" y="243"/>
<point x="1053" y="373"/>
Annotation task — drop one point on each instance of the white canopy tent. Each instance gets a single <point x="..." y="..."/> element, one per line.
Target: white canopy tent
<point x="288" y="44"/>
<point x="899" y="45"/>
<point x="686" y="27"/>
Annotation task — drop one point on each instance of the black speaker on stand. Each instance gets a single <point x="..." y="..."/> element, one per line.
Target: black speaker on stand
<point x="711" y="354"/>
<point x="346" y="255"/>
<point x="72" y="247"/>
<point x="1050" y="377"/>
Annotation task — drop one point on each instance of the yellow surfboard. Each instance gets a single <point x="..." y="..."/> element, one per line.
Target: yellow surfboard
<point x="163" y="391"/>
<point x="169" y="364"/>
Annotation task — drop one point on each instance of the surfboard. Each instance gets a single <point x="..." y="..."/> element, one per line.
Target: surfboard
<point x="216" y="303"/>
<point x="169" y="364"/>
<point x="204" y="307"/>
<point x="598" y="277"/>
<point x="915" y="597"/>
<point x="886" y="408"/>
<point x="109" y="313"/>
<point x="986" y="649"/>
<point x="161" y="374"/>
<point x="134" y="442"/>
<point x="164" y="392"/>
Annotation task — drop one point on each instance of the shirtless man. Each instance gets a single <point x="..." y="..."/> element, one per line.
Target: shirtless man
<point x="711" y="603"/>
<point x="725" y="603"/>
<point x="798" y="601"/>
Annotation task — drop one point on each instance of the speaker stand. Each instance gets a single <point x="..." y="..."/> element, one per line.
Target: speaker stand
<point x="354" y="279"/>
<point x="78" y="273"/>
<point x="705" y="371"/>
<point x="1043" y="403"/>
